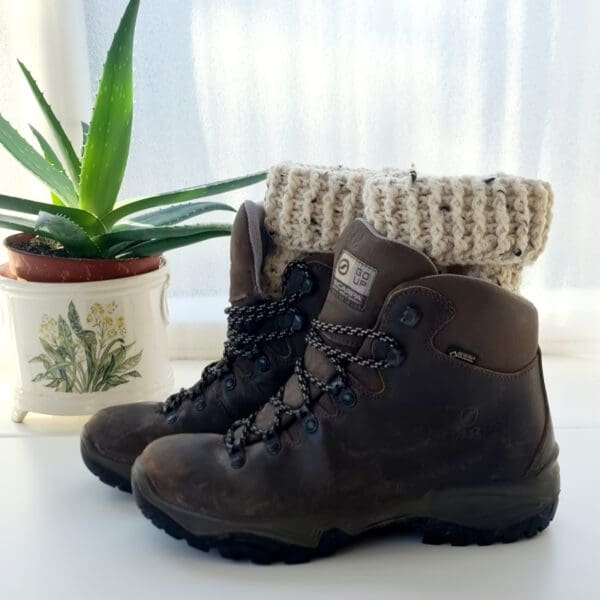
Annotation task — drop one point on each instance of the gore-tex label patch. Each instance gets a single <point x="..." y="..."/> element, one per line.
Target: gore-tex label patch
<point x="352" y="280"/>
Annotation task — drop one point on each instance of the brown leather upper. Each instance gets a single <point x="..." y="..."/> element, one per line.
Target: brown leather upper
<point x="430" y="423"/>
<point x="120" y="433"/>
<point x="249" y="239"/>
<point x="500" y="328"/>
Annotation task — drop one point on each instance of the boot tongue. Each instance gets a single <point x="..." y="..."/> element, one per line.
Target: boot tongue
<point x="249" y="242"/>
<point x="367" y="267"/>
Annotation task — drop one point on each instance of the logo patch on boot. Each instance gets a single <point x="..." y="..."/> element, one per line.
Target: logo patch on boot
<point x="352" y="280"/>
<point x="460" y="354"/>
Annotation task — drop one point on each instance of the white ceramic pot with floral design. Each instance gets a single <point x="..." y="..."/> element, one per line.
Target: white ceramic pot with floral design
<point x="78" y="347"/>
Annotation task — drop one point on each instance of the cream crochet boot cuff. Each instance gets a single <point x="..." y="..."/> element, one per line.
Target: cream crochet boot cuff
<point x="307" y="207"/>
<point x="485" y="227"/>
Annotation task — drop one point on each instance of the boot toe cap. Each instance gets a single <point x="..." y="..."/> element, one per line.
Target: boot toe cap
<point x="183" y="470"/>
<point x="120" y="433"/>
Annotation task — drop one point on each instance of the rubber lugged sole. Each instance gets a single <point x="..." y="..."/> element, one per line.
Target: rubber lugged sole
<point x="264" y="550"/>
<point x="104" y="474"/>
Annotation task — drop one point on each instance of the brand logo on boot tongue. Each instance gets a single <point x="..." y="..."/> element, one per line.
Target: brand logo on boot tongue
<point x="352" y="280"/>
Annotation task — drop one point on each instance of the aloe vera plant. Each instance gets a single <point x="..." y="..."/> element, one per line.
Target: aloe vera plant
<point x="85" y="217"/>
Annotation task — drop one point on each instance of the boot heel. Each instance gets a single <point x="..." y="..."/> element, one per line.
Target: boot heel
<point x="499" y="512"/>
<point x="443" y="532"/>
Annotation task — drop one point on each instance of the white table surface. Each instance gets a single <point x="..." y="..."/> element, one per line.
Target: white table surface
<point x="64" y="535"/>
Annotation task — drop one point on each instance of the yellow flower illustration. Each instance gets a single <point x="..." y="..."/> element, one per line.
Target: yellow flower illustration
<point x="86" y="360"/>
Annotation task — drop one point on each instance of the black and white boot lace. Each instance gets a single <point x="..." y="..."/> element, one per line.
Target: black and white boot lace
<point x="244" y="338"/>
<point x="243" y="431"/>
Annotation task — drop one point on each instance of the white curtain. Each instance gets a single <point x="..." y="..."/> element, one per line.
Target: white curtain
<point x="223" y="88"/>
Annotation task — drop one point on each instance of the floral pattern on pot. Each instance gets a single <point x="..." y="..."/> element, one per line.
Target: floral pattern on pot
<point x="81" y="360"/>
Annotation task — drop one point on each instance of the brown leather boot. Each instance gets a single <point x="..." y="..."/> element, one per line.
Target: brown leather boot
<point x="419" y="404"/>
<point x="265" y="337"/>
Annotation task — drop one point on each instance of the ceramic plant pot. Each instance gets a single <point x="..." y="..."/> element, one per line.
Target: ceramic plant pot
<point x="78" y="347"/>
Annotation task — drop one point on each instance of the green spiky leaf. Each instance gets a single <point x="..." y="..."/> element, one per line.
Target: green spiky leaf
<point x="107" y="241"/>
<point x="47" y="149"/>
<point x="17" y="223"/>
<point x="51" y="157"/>
<point x="74" y="239"/>
<point x="22" y="150"/>
<point x="179" y="213"/>
<point x="159" y="246"/>
<point x="201" y="191"/>
<point x="85" y="127"/>
<point x="109" y="135"/>
<point x="66" y="148"/>
<point x="83" y="218"/>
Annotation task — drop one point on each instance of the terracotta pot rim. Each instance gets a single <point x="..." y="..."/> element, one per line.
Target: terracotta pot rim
<point x="45" y="268"/>
<point x="26" y="236"/>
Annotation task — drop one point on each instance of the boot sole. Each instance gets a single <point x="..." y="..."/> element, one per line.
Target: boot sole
<point x="265" y="550"/>
<point x="103" y="468"/>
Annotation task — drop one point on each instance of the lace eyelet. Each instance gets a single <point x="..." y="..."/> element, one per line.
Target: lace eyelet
<point x="411" y="316"/>
<point x="263" y="363"/>
<point x="311" y="424"/>
<point x="171" y="418"/>
<point x="200" y="404"/>
<point x="336" y="385"/>
<point x="229" y="383"/>
<point x="297" y="322"/>
<point x="307" y="285"/>
<point x="341" y="392"/>
<point x="291" y="320"/>
<point x="395" y="357"/>
<point x="347" y="398"/>
<point x="272" y="442"/>
<point x="237" y="457"/>
<point x="309" y="421"/>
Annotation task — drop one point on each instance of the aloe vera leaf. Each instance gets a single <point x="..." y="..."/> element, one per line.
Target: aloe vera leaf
<point x="144" y="233"/>
<point x="66" y="148"/>
<point x="51" y="157"/>
<point x="179" y="212"/>
<point x="107" y="146"/>
<point x="22" y="150"/>
<point x="85" y="127"/>
<point x="17" y="223"/>
<point x="159" y="246"/>
<point x="84" y="219"/>
<point x="74" y="239"/>
<point x="130" y="207"/>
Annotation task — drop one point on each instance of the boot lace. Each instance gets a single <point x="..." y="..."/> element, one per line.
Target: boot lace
<point x="337" y="387"/>
<point x="242" y="341"/>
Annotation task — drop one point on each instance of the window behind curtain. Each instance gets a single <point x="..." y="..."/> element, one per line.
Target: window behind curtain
<point x="224" y="88"/>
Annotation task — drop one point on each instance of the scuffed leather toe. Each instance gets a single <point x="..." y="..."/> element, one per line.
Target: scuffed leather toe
<point x="120" y="433"/>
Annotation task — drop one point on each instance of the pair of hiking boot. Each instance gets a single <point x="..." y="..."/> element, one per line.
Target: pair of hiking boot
<point x="374" y="393"/>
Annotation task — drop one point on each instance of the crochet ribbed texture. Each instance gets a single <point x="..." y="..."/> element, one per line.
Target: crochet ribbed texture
<point x="487" y="227"/>
<point x="307" y="207"/>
